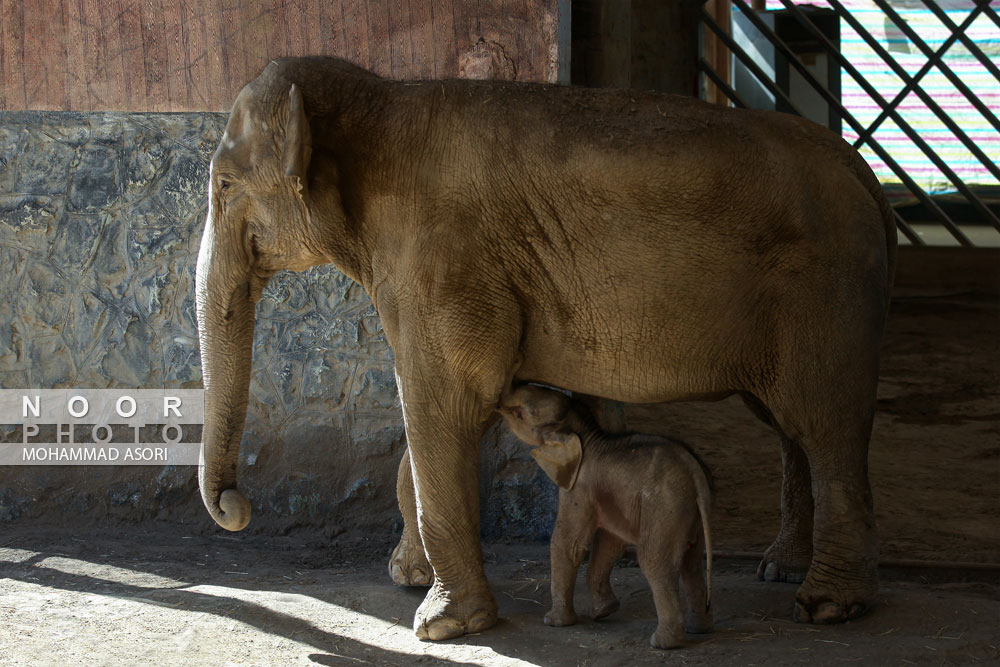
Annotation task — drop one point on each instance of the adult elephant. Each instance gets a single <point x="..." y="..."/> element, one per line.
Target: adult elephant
<point x="634" y="246"/>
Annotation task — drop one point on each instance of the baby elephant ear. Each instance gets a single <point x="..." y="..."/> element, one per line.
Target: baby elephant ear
<point x="560" y="458"/>
<point x="297" y="149"/>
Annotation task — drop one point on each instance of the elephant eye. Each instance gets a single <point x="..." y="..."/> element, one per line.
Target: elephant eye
<point x="223" y="184"/>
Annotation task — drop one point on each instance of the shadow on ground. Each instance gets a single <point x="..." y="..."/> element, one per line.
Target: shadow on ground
<point x="106" y="598"/>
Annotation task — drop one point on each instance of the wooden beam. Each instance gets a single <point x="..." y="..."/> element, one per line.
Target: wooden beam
<point x="715" y="51"/>
<point x="195" y="55"/>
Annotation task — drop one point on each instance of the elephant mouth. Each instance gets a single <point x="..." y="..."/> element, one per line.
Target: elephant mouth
<point x="512" y="411"/>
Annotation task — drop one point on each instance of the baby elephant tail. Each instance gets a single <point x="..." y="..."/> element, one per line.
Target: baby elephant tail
<point x="703" y="486"/>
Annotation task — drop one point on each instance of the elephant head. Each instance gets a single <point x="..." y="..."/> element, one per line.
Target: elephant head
<point x="544" y="418"/>
<point x="261" y="218"/>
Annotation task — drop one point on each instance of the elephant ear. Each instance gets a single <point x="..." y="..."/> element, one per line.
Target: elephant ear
<point x="297" y="149"/>
<point x="560" y="457"/>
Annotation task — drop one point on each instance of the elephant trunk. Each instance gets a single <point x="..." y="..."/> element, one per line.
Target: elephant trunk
<point x="225" y="332"/>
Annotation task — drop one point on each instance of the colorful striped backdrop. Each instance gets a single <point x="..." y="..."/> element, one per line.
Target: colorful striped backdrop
<point x="983" y="32"/>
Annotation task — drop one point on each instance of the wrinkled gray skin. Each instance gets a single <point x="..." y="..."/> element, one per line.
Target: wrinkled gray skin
<point x="613" y="491"/>
<point x="632" y="246"/>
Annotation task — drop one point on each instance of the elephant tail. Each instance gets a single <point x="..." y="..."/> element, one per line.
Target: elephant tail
<point x="704" y="508"/>
<point x="870" y="181"/>
<point x="705" y="491"/>
<point x="889" y="218"/>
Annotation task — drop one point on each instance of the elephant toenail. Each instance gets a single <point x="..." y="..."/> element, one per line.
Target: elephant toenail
<point x="857" y="609"/>
<point x="444" y="629"/>
<point x="480" y="622"/>
<point x="828" y="612"/>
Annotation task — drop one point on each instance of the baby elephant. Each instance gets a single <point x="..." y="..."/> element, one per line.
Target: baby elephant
<point x="617" y="490"/>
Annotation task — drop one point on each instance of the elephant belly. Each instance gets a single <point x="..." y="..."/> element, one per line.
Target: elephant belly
<point x="655" y="329"/>
<point x="649" y="373"/>
<point x="614" y="519"/>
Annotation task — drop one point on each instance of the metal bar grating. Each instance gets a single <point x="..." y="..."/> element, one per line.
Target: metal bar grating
<point x="913" y="84"/>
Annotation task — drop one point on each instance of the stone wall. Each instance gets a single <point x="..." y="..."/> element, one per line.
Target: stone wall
<point x="100" y="221"/>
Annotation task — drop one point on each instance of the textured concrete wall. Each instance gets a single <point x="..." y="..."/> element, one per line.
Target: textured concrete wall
<point x="100" y="220"/>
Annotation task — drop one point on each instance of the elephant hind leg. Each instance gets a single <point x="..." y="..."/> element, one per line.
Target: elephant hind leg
<point x="788" y="557"/>
<point x="408" y="564"/>
<point x="607" y="548"/>
<point x="825" y="452"/>
<point x="695" y="581"/>
<point x="661" y="562"/>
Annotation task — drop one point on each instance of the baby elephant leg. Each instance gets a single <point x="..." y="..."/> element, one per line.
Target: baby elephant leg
<point x="660" y="560"/>
<point x="699" y="612"/>
<point x="570" y="538"/>
<point x="604" y="553"/>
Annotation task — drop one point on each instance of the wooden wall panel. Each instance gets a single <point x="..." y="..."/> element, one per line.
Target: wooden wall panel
<point x="195" y="55"/>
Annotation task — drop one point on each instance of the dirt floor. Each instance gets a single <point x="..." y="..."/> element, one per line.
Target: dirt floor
<point x="163" y="598"/>
<point x="162" y="594"/>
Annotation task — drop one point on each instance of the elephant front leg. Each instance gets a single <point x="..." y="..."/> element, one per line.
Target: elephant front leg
<point x="408" y="564"/>
<point x="443" y="426"/>
<point x="572" y="535"/>
<point x="788" y="557"/>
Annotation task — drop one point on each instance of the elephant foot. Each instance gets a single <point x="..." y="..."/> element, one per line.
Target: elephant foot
<point x="447" y="614"/>
<point x="825" y="599"/>
<point x="558" y="617"/>
<point x="605" y="605"/>
<point x="699" y="624"/>
<point x="776" y="570"/>
<point x="786" y="561"/>
<point x="827" y="612"/>
<point x="672" y="637"/>
<point x="408" y="564"/>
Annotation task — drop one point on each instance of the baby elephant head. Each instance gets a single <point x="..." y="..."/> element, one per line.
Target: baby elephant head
<point x="538" y="416"/>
